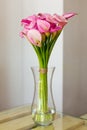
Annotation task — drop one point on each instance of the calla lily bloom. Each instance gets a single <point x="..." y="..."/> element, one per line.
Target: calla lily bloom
<point x="44" y="16"/>
<point x="28" y="24"/>
<point x="43" y="26"/>
<point x="34" y="37"/>
<point x="23" y="33"/>
<point x="60" y="20"/>
<point x="50" y="18"/>
<point x="32" y="18"/>
<point x="41" y="16"/>
<point x="25" y="22"/>
<point x="69" y="15"/>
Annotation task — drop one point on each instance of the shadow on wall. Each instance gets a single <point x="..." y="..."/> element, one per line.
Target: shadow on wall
<point x="75" y="60"/>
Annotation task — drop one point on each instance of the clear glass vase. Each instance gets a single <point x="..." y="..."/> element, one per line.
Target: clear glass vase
<point x="43" y="107"/>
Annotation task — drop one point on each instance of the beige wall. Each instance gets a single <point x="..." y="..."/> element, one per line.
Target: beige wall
<point x="75" y="60"/>
<point x="11" y="89"/>
<point x="83" y="55"/>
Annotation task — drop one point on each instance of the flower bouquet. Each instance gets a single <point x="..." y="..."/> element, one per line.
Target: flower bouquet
<point x="42" y="31"/>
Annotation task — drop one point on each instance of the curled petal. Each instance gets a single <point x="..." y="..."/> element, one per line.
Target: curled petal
<point x="47" y="17"/>
<point x="31" y="25"/>
<point x="28" y="24"/>
<point x="41" y="16"/>
<point x="60" y="19"/>
<point x="25" y="22"/>
<point x="69" y="15"/>
<point x="43" y="26"/>
<point x="23" y="33"/>
<point x="32" y="18"/>
<point x="34" y="37"/>
<point x="51" y="19"/>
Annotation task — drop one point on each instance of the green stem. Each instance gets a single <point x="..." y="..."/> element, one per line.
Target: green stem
<point x="43" y="54"/>
<point x="43" y="86"/>
<point x="43" y="62"/>
<point x="43" y="93"/>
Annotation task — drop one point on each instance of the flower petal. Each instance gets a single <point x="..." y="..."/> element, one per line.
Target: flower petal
<point x="29" y="22"/>
<point x="25" y="21"/>
<point x="60" y="19"/>
<point x="32" y="18"/>
<point x="69" y="15"/>
<point x="31" y="25"/>
<point x="23" y="33"/>
<point x="55" y="29"/>
<point x="34" y="37"/>
<point x="43" y="26"/>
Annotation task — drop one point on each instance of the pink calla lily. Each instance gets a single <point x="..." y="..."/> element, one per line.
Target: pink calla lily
<point x="44" y="16"/>
<point x="60" y="19"/>
<point x="50" y="18"/>
<point x="28" y="24"/>
<point x="41" y="16"/>
<point x="31" y="25"/>
<point x="43" y="23"/>
<point x="25" y="21"/>
<point x="23" y="33"/>
<point x="43" y="26"/>
<point x="69" y="15"/>
<point x="34" y="37"/>
<point x="32" y="18"/>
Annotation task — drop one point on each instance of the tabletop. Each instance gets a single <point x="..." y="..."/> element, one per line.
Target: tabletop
<point x="20" y="118"/>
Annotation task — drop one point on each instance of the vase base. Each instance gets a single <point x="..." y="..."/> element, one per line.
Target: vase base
<point x="43" y="119"/>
